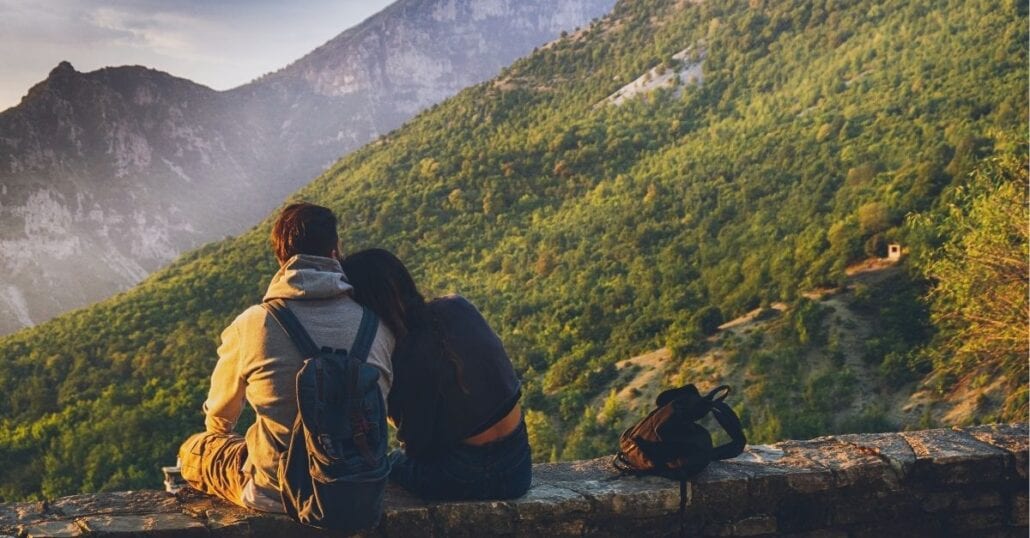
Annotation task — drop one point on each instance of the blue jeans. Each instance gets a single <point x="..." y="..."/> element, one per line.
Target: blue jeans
<point x="501" y="469"/>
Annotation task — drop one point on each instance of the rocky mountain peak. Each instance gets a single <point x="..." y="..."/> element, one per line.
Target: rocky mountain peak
<point x="62" y="69"/>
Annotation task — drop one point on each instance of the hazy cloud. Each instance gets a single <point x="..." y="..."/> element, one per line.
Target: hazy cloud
<point x="219" y="43"/>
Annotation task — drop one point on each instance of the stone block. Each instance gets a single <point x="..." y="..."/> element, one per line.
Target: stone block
<point x="14" y="515"/>
<point x="554" y="527"/>
<point x="799" y="513"/>
<point x="757" y="525"/>
<point x="976" y="500"/>
<point x="830" y="463"/>
<point x="954" y="457"/>
<point x="546" y="500"/>
<point x="1019" y="513"/>
<point x="720" y="493"/>
<point x="574" y="471"/>
<point x="911" y="526"/>
<point x="164" y="524"/>
<point x="231" y="522"/>
<point x="847" y="464"/>
<point x="873" y="506"/>
<point x="972" y="522"/>
<point x="790" y="460"/>
<point x="609" y="493"/>
<point x="663" y="526"/>
<point x="222" y="518"/>
<point x="821" y="533"/>
<point x="121" y="502"/>
<point x="198" y="504"/>
<point x="404" y="514"/>
<point x="766" y="485"/>
<point x="545" y="504"/>
<point x="486" y="518"/>
<point x="280" y="525"/>
<point x="406" y="522"/>
<point x="51" y="529"/>
<point x="938" y="501"/>
<point x="810" y="480"/>
<point x="890" y="447"/>
<point x="961" y="500"/>
<point x="997" y="532"/>
<point x="1013" y="438"/>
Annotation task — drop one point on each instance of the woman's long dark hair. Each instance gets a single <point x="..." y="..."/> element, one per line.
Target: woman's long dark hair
<point x="382" y="283"/>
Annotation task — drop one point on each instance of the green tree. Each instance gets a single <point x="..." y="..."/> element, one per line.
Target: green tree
<point x="979" y="301"/>
<point x="543" y="439"/>
<point x="707" y="320"/>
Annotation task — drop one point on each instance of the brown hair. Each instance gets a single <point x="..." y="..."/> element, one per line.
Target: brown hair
<point x="304" y="228"/>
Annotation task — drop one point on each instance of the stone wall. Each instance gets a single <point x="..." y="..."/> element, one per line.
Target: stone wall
<point x="958" y="482"/>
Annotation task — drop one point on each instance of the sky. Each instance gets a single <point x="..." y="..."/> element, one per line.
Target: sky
<point x="218" y="43"/>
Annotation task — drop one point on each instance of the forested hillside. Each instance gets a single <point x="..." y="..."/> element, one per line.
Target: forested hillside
<point x="588" y="233"/>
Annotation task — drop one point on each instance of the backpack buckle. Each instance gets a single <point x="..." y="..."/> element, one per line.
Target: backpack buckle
<point x="327" y="444"/>
<point x="361" y="441"/>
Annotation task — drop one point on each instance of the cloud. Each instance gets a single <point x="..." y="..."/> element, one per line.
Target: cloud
<point x="174" y="35"/>
<point x="219" y="43"/>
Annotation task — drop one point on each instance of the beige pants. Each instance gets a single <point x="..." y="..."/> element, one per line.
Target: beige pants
<point x="213" y="463"/>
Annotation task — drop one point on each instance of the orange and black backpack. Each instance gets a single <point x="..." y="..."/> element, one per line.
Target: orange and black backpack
<point x="669" y="442"/>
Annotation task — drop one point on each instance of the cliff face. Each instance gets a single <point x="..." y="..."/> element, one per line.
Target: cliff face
<point x="106" y="176"/>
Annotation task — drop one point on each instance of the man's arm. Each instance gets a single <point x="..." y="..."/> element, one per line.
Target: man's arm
<point x="227" y="395"/>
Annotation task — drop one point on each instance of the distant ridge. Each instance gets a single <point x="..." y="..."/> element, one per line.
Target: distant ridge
<point x="111" y="174"/>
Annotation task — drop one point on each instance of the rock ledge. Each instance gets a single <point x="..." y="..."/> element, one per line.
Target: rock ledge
<point x="956" y="482"/>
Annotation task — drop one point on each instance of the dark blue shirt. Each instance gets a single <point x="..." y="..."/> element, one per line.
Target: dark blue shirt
<point x="452" y="379"/>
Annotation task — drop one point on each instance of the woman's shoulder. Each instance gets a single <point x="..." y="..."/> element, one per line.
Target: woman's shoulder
<point x="455" y="308"/>
<point x="452" y="302"/>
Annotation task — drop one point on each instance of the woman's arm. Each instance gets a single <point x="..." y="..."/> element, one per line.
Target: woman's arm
<point x="415" y="397"/>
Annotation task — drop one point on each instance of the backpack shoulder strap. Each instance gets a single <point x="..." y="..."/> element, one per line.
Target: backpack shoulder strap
<point x="724" y="414"/>
<point x="291" y="326"/>
<point x="366" y="335"/>
<point x="359" y="354"/>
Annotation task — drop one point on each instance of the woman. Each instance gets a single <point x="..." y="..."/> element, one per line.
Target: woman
<point x="455" y="396"/>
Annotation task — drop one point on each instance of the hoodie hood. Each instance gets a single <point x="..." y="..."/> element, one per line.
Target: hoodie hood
<point x="308" y="277"/>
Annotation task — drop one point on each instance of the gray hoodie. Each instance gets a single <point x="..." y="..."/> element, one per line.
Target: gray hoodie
<point x="258" y="362"/>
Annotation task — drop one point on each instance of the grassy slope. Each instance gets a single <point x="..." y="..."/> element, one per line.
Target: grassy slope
<point x="743" y="350"/>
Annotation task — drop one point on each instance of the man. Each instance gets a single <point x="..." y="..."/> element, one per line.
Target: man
<point x="258" y="363"/>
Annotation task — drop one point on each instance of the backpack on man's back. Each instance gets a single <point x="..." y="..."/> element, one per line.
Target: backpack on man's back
<point x="333" y="473"/>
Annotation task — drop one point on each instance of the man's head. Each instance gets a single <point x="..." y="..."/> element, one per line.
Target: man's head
<point x="305" y="228"/>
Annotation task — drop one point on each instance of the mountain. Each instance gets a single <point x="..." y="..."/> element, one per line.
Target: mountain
<point x="108" y="175"/>
<point x="372" y="78"/>
<point x="596" y="209"/>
